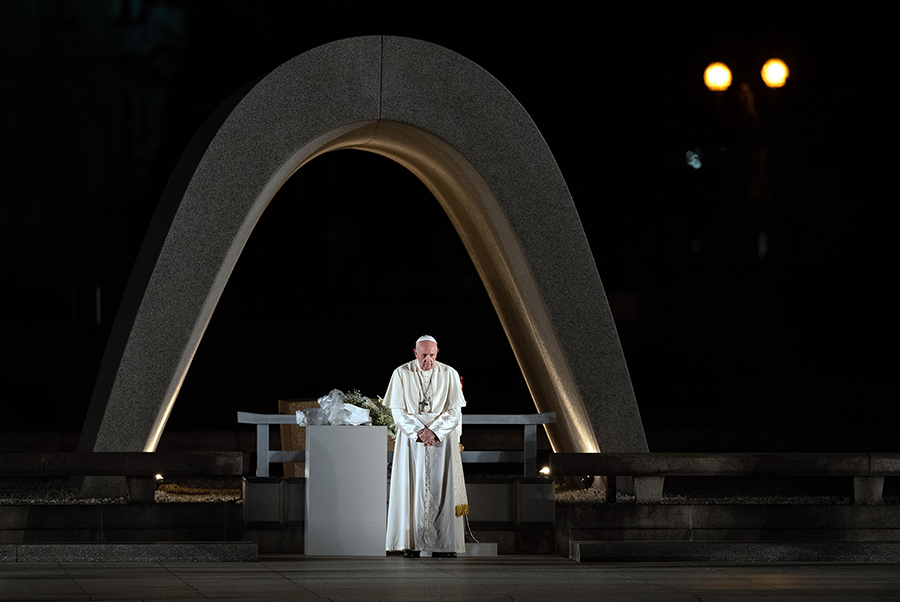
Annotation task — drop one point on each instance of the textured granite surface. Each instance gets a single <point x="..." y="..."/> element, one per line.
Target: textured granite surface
<point x="730" y="551"/>
<point x="460" y="131"/>
<point x="689" y="551"/>
<point x="533" y="256"/>
<point x="505" y="577"/>
<point x="238" y="551"/>
<point x="229" y="173"/>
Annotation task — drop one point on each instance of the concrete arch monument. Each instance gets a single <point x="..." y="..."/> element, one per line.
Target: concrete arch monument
<point x="459" y="131"/>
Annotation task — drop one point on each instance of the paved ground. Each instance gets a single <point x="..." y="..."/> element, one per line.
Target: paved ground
<point x="504" y="578"/>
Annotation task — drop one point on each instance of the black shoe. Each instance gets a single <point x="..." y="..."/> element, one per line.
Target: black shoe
<point x="443" y="554"/>
<point x="411" y="553"/>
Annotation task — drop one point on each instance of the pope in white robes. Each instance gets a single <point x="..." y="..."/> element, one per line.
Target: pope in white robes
<point x="428" y="490"/>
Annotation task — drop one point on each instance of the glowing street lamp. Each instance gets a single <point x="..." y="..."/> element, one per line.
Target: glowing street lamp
<point x="749" y="125"/>
<point x="717" y="77"/>
<point x="774" y="73"/>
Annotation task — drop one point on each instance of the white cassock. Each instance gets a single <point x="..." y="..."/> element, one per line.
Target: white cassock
<point x="428" y="490"/>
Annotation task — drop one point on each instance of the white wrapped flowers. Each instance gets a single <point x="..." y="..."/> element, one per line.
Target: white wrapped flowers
<point x="335" y="412"/>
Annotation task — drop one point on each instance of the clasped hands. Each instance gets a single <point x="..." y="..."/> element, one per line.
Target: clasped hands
<point x="427" y="436"/>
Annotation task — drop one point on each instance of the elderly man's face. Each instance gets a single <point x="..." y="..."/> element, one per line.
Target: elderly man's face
<point x="426" y="352"/>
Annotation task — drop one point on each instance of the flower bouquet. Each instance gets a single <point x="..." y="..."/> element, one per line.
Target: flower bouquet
<point x="381" y="415"/>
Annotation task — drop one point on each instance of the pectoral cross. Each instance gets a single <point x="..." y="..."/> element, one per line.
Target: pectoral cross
<point x="425" y="404"/>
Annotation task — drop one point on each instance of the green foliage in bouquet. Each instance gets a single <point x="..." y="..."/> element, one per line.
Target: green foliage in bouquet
<point x="381" y="416"/>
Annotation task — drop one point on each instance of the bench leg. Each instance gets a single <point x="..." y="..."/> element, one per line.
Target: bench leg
<point x="141" y="489"/>
<point x="530" y="468"/>
<point x="868" y="490"/>
<point x="648" y="490"/>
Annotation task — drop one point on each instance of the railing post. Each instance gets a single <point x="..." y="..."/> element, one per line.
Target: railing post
<point x="530" y="450"/>
<point x="262" y="450"/>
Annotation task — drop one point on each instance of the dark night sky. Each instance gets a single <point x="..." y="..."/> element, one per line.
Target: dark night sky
<point x="98" y="103"/>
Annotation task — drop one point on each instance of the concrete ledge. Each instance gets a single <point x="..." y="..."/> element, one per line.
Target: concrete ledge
<point x="523" y="542"/>
<point x="481" y="549"/>
<point x="650" y="469"/>
<point x="725" y="525"/>
<point x="181" y="463"/>
<point x="668" y="464"/>
<point x="201" y="521"/>
<point x="859" y="551"/>
<point x="726" y="551"/>
<point x="885" y="464"/>
<point x="238" y="551"/>
<point x="819" y="521"/>
<point x="276" y="538"/>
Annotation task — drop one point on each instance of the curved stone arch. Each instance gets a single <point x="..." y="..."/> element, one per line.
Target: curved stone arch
<point x="473" y="145"/>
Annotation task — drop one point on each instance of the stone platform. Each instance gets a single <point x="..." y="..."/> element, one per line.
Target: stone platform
<point x="519" y="578"/>
<point x="672" y="531"/>
<point x="735" y="551"/>
<point x="195" y="551"/>
<point x="728" y="532"/>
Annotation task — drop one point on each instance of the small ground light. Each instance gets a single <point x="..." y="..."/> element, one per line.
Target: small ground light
<point x="717" y="77"/>
<point x="545" y="470"/>
<point x="159" y="477"/>
<point x="775" y="73"/>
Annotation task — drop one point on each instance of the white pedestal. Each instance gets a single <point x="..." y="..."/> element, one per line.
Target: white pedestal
<point x="346" y="490"/>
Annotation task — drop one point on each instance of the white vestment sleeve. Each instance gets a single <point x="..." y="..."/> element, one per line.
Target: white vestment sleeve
<point x="446" y="423"/>
<point x="409" y="424"/>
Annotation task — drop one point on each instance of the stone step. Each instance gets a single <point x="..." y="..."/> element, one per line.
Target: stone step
<point x="736" y="523"/>
<point x="120" y="523"/>
<point x="186" y="551"/>
<point x="731" y="551"/>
